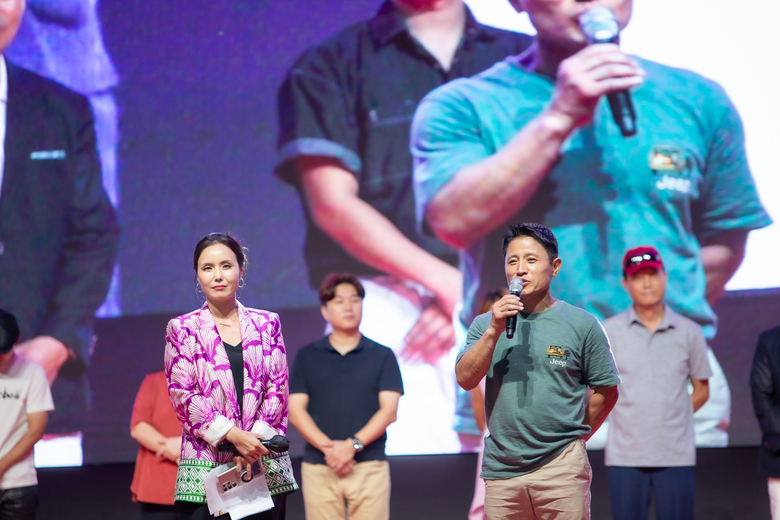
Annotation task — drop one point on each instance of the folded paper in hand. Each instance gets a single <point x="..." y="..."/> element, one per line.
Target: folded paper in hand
<point x="239" y="501"/>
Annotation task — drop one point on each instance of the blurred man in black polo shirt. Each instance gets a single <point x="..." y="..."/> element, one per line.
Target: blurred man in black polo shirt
<point x="345" y="111"/>
<point x="344" y="392"/>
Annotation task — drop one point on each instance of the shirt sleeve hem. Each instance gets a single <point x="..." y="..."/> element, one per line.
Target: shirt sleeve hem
<point x="217" y="431"/>
<point x="264" y="429"/>
<point x="321" y="148"/>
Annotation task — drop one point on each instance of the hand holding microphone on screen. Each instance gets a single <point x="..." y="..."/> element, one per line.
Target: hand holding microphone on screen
<point x="600" y="26"/>
<point x="599" y="69"/>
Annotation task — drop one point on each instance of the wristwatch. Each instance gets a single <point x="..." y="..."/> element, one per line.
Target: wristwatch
<point x="357" y="444"/>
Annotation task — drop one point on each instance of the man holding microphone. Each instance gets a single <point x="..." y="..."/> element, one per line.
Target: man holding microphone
<point x="537" y="387"/>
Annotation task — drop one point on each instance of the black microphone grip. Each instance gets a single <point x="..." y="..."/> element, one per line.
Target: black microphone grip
<point x="515" y="288"/>
<point x="277" y="443"/>
<point x="623" y="112"/>
<point x="600" y="26"/>
<point x="511" y="326"/>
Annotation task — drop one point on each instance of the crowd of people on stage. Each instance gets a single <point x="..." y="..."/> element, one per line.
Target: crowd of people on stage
<point x="422" y="143"/>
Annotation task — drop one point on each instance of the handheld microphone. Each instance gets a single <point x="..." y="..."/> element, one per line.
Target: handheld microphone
<point x="600" y="26"/>
<point x="277" y="443"/>
<point x="515" y="287"/>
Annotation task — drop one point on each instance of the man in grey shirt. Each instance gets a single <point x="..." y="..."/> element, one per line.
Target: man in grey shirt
<point x="651" y="443"/>
<point x="537" y="387"/>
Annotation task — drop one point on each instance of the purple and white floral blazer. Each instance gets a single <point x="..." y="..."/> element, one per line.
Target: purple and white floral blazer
<point x="201" y="386"/>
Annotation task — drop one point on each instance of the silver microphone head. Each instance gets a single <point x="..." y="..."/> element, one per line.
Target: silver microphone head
<point x="599" y="25"/>
<point x="515" y="286"/>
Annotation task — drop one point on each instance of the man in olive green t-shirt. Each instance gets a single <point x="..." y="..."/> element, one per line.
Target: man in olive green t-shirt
<point x="537" y="386"/>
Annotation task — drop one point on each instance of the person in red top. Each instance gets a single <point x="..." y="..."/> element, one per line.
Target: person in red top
<point x="155" y="426"/>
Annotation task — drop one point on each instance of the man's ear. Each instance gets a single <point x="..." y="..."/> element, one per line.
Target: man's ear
<point x="324" y="312"/>
<point x="556" y="265"/>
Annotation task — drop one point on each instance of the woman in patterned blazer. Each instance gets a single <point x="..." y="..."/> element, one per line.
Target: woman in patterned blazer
<point x="213" y="355"/>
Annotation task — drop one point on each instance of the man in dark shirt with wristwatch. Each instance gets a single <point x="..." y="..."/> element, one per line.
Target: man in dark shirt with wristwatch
<point x="344" y="392"/>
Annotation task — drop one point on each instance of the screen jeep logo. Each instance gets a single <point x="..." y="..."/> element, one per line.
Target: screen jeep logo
<point x="557" y="355"/>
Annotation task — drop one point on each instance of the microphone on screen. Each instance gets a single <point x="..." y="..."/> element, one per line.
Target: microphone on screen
<point x="515" y="287"/>
<point x="600" y="26"/>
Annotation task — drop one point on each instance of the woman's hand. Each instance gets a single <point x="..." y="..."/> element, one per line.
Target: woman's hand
<point x="170" y="448"/>
<point x="241" y="465"/>
<point x="247" y="443"/>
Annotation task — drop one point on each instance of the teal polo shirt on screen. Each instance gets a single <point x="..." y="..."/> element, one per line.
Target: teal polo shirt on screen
<point x="681" y="180"/>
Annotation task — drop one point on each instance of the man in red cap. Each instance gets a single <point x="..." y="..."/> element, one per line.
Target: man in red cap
<point x="651" y="444"/>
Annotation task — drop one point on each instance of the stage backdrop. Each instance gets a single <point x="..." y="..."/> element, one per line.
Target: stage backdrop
<point x="197" y="132"/>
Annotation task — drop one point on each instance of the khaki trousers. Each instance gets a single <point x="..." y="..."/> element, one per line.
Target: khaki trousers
<point x="558" y="490"/>
<point x="364" y="494"/>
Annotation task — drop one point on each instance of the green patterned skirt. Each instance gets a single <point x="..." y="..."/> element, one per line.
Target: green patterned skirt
<point x="277" y="468"/>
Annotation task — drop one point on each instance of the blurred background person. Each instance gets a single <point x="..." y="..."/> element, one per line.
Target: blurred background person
<point x="58" y="235"/>
<point x="470" y="420"/>
<point x="62" y="40"/>
<point x="765" y="389"/>
<point x="345" y="111"/>
<point x="226" y="368"/>
<point x="155" y="426"/>
<point x="651" y="446"/>
<point x="24" y="408"/>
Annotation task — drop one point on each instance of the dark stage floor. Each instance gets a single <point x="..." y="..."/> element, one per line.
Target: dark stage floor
<point x="435" y="487"/>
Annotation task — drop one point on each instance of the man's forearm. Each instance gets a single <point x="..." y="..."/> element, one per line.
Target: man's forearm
<point x="721" y="258"/>
<point x="371" y="237"/>
<point x="474" y="364"/>
<point x="308" y="429"/>
<point x="701" y="392"/>
<point x="147" y="436"/>
<point x="376" y="426"/>
<point x="601" y="403"/>
<point x="485" y="195"/>
<point x="37" y="424"/>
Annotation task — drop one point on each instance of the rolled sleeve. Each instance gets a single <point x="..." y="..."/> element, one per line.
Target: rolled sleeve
<point x="316" y="114"/>
<point x="445" y="138"/>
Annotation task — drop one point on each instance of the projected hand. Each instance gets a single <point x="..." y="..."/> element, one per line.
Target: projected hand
<point x="48" y="352"/>
<point x="431" y="337"/>
<point x="591" y="73"/>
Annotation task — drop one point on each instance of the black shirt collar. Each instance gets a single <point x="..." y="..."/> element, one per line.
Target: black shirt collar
<point x="389" y="23"/>
<point x="324" y="344"/>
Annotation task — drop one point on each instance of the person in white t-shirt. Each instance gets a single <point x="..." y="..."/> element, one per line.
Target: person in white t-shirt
<point x="25" y="403"/>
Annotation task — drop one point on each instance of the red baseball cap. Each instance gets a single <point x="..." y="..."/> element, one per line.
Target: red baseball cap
<point x="639" y="257"/>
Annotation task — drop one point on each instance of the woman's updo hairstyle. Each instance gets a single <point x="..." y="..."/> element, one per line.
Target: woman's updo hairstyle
<point x="227" y="240"/>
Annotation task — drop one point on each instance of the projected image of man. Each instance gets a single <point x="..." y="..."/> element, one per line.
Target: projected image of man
<point x="534" y="139"/>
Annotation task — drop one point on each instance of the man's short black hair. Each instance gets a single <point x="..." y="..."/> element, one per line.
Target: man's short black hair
<point x="9" y="331"/>
<point x="538" y="232"/>
<point x="328" y="288"/>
